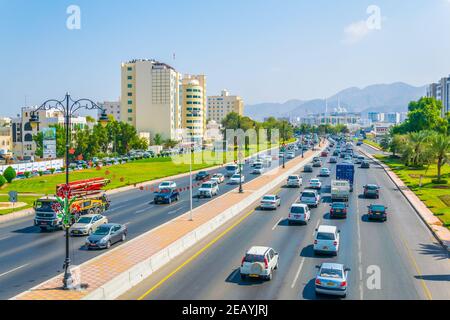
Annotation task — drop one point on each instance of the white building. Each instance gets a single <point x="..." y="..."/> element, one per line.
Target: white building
<point x="441" y="91"/>
<point x="220" y="106"/>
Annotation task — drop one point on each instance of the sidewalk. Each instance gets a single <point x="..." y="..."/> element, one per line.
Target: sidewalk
<point x="435" y="225"/>
<point x="99" y="271"/>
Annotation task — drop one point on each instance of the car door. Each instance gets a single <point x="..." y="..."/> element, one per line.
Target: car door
<point x="115" y="234"/>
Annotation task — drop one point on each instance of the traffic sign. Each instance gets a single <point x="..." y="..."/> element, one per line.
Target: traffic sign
<point x="12" y="196"/>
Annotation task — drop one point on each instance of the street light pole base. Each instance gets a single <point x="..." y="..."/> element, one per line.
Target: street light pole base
<point x="68" y="282"/>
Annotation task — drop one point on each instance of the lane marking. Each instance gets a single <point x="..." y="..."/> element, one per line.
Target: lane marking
<point x="276" y="224"/>
<point x="360" y="268"/>
<point x="317" y="226"/>
<point x="145" y="209"/>
<point x="175" y="211"/>
<point x="12" y="270"/>
<point x="5" y="237"/>
<point x="298" y="273"/>
<point x="193" y="257"/>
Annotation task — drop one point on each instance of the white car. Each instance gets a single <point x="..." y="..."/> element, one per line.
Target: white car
<point x="290" y="155"/>
<point x="326" y="240"/>
<point x="87" y="224"/>
<point x="331" y="279"/>
<point x="299" y="213"/>
<point x="236" y="178"/>
<point x="315" y="184"/>
<point x="294" y="181"/>
<point x="324" y="172"/>
<point x="258" y="168"/>
<point x="218" y="177"/>
<point x="167" y="184"/>
<point x="310" y="197"/>
<point x="208" y="189"/>
<point x="259" y="262"/>
<point x="270" y="201"/>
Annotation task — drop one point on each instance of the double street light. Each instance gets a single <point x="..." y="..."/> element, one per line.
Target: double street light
<point x="68" y="107"/>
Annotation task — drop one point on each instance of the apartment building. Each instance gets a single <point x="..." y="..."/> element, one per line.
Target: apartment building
<point x="150" y="99"/>
<point x="193" y="100"/>
<point x="111" y="108"/>
<point x="441" y="91"/>
<point x="23" y="146"/>
<point x="220" y="106"/>
<point x="332" y="118"/>
<point x="392" y="117"/>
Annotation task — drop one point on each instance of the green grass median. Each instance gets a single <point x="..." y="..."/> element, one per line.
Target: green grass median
<point x="372" y="143"/>
<point x="435" y="196"/>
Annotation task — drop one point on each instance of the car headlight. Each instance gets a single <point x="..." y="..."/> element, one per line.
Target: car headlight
<point x="103" y="240"/>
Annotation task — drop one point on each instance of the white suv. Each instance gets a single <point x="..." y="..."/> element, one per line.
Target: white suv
<point x="259" y="262"/>
<point x="326" y="240"/>
<point x="299" y="213"/>
<point x="208" y="189"/>
<point x="310" y="197"/>
<point x="294" y="181"/>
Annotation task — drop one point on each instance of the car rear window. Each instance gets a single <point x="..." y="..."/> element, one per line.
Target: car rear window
<point x="325" y="236"/>
<point x="297" y="210"/>
<point x="253" y="258"/>
<point x="372" y="187"/>
<point x="330" y="273"/>
<point x="266" y="198"/>
<point x="339" y="205"/>
<point x="207" y="185"/>
<point x="377" y="208"/>
<point x="308" y="194"/>
<point x="293" y="178"/>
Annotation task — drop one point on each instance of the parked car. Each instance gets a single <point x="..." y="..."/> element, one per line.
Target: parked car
<point x="270" y="201"/>
<point x="310" y="197"/>
<point x="331" y="279"/>
<point x="202" y="175"/>
<point x="326" y="240"/>
<point x="338" y="210"/>
<point x="365" y="165"/>
<point x="377" y="212"/>
<point x="294" y="181"/>
<point x="106" y="235"/>
<point x="315" y="183"/>
<point x="218" y="177"/>
<point x="167" y="184"/>
<point x="87" y="224"/>
<point x="299" y="213"/>
<point x="371" y="191"/>
<point x="236" y="179"/>
<point x="307" y="168"/>
<point x="208" y="189"/>
<point x="166" y="195"/>
<point x="259" y="262"/>
<point x="324" y="172"/>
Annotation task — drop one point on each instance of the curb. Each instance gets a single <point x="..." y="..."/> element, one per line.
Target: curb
<point x="435" y="229"/>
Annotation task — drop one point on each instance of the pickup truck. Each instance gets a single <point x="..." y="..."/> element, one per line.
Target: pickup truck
<point x="208" y="189"/>
<point x="166" y="195"/>
<point x="340" y="190"/>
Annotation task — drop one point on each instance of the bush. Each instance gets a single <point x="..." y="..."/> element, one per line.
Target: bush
<point x="436" y="181"/>
<point x="52" y="170"/>
<point x="2" y="180"/>
<point x="40" y="172"/>
<point x="9" y="174"/>
<point x="26" y="174"/>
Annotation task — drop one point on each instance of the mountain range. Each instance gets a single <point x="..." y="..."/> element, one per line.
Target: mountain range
<point x="392" y="97"/>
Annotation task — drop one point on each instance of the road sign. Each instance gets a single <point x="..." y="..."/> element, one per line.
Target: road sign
<point x="12" y="196"/>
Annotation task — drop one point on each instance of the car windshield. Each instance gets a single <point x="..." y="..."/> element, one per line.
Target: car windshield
<point x="236" y="176"/>
<point x="253" y="258"/>
<point x="84" y="220"/>
<point x="45" y="206"/>
<point x="229" y="168"/>
<point x="268" y="198"/>
<point x="102" y="230"/>
<point x="166" y="183"/>
<point x="314" y="181"/>
<point x="331" y="273"/>
<point x="377" y="208"/>
<point x="338" y="205"/>
<point x="202" y="173"/>
<point x="207" y="185"/>
<point x="297" y="210"/>
<point x="308" y="194"/>
<point x="325" y="236"/>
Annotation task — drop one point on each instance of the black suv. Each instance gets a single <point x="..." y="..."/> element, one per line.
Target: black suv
<point x="202" y="175"/>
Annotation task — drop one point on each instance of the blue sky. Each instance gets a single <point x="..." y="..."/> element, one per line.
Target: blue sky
<point x="263" y="50"/>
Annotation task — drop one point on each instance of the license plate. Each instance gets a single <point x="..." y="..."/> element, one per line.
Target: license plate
<point x="76" y="231"/>
<point x="325" y="248"/>
<point x="297" y="217"/>
<point x="330" y="284"/>
<point x="338" y="211"/>
<point x="254" y="276"/>
<point x="43" y="223"/>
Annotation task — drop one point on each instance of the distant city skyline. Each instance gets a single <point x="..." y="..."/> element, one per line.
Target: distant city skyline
<point x="270" y="51"/>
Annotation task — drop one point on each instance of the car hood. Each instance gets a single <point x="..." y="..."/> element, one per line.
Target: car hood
<point x="162" y="195"/>
<point x="80" y="226"/>
<point x="205" y="189"/>
<point x="95" y="238"/>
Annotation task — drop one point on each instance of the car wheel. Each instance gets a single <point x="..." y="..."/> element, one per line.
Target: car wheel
<point x="124" y="237"/>
<point x="108" y="245"/>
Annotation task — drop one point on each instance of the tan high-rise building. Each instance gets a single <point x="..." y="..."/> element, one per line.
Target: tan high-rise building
<point x="193" y="97"/>
<point x="150" y="98"/>
<point x="220" y="106"/>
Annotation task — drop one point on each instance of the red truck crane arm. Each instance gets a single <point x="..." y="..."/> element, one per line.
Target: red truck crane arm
<point x="82" y="187"/>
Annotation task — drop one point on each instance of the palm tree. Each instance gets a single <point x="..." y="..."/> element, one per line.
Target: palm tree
<point x="440" y="150"/>
<point x="157" y="139"/>
<point x="417" y="150"/>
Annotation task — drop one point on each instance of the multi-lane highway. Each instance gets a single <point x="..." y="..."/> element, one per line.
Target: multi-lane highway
<point x="29" y="256"/>
<point x="397" y="259"/>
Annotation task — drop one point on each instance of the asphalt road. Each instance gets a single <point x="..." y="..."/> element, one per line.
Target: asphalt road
<point x="397" y="259"/>
<point x="29" y="256"/>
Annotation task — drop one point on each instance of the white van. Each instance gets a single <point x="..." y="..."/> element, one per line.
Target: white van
<point x="326" y="240"/>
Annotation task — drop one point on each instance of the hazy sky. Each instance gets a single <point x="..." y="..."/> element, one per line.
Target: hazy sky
<point x="263" y="50"/>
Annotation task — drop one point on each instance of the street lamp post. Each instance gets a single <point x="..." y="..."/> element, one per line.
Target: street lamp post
<point x="68" y="107"/>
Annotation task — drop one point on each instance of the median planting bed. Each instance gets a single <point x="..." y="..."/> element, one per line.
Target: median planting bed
<point x="435" y="196"/>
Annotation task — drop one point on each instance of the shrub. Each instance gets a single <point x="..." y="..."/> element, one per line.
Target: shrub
<point x="52" y="170"/>
<point x="2" y="180"/>
<point x="9" y="174"/>
<point x="436" y="181"/>
<point x="40" y="172"/>
<point x="26" y="174"/>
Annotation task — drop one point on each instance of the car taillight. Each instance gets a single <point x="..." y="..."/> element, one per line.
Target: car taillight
<point x="318" y="282"/>
<point x="343" y="283"/>
<point x="335" y="243"/>
<point x="266" y="263"/>
<point x="331" y="210"/>
<point x="242" y="262"/>
<point x="315" y="241"/>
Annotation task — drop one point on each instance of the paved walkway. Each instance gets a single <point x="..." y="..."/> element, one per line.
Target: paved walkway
<point x="100" y="270"/>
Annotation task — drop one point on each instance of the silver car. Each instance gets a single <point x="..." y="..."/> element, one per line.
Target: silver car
<point x="87" y="224"/>
<point x="331" y="279"/>
<point x="106" y="235"/>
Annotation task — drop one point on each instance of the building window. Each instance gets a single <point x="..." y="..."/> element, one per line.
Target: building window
<point x="27" y="127"/>
<point x="130" y="94"/>
<point x="130" y="119"/>
<point x="28" y="137"/>
<point x="130" y="86"/>
<point x="130" y="101"/>
<point x="130" y="110"/>
<point x="129" y="68"/>
<point x="130" y="77"/>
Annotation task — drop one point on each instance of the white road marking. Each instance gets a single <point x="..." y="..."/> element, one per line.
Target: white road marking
<point x="358" y="228"/>
<point x="174" y="211"/>
<point x="317" y="225"/>
<point x="279" y="220"/>
<point x="143" y="210"/>
<point x="5" y="237"/>
<point x="298" y="273"/>
<point x="12" y="270"/>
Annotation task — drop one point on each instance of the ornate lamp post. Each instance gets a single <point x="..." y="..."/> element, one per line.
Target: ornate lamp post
<point x="68" y="107"/>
